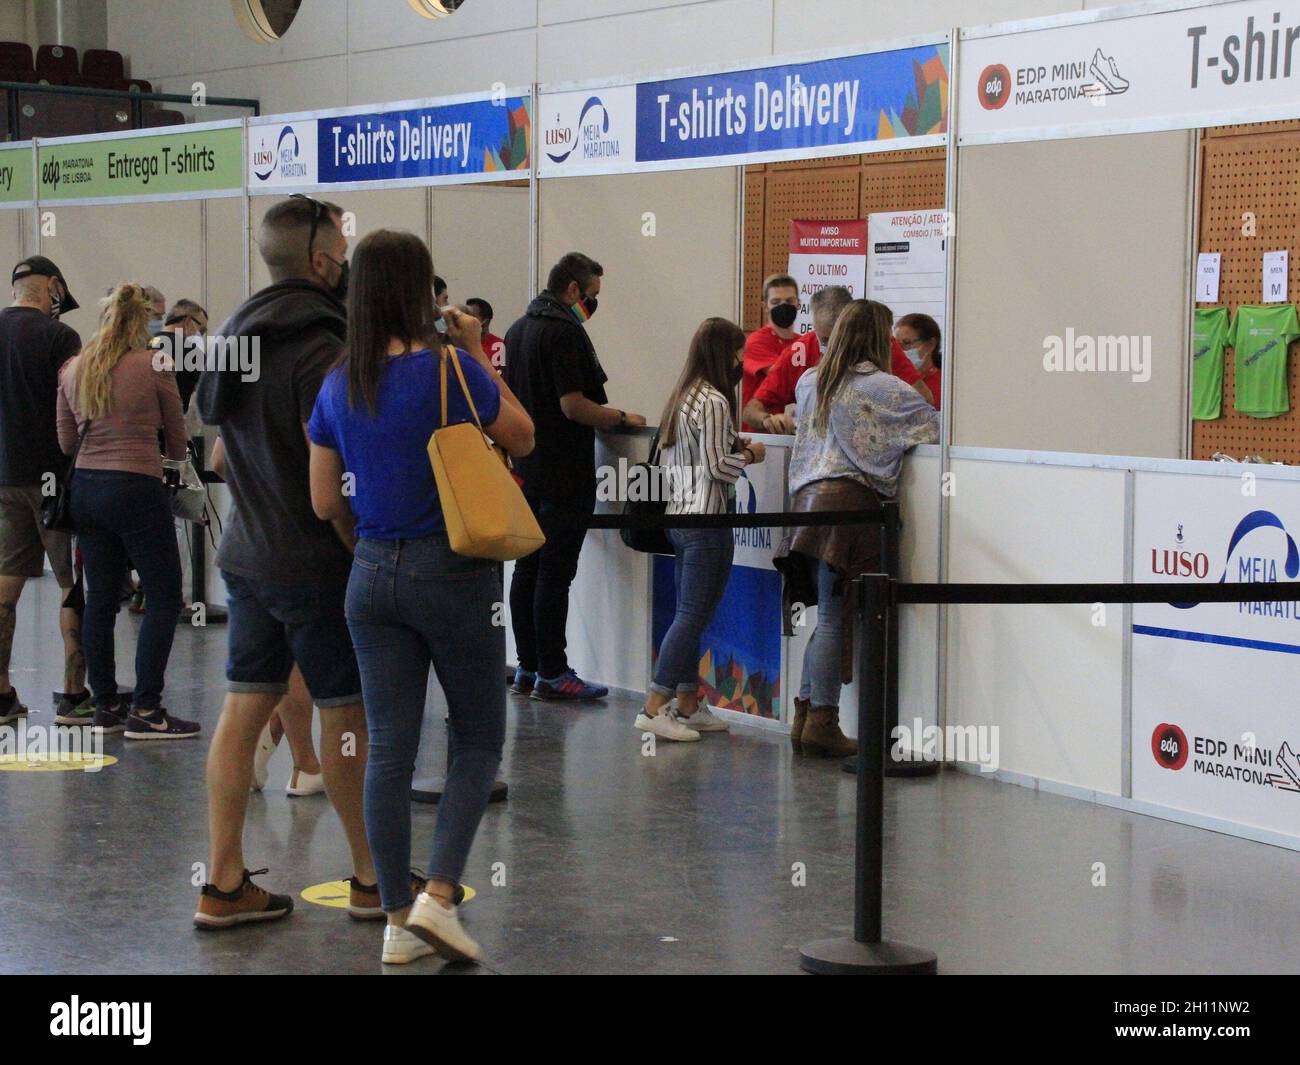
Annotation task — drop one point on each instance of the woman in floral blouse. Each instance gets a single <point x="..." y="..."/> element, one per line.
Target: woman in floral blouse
<point x="855" y="421"/>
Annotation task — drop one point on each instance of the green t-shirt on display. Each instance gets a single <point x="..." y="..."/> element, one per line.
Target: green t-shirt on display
<point x="1210" y="337"/>
<point x="1260" y="337"/>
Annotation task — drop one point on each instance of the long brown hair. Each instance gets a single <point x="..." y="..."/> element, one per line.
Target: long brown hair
<point x="862" y="331"/>
<point x="123" y="326"/>
<point x="390" y="294"/>
<point x="710" y="358"/>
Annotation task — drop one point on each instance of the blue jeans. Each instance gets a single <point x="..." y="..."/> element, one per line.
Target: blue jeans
<point x="412" y="603"/>
<point x="702" y="567"/>
<point x="119" y="514"/>
<point x="821" y="658"/>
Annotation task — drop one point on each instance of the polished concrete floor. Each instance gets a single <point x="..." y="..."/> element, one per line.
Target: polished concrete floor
<point x="618" y="863"/>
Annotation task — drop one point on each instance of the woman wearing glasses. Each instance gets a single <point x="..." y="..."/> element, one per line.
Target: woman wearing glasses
<point x="411" y="601"/>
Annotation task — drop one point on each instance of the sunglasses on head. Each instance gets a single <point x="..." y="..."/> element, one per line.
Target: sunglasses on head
<point x="319" y="211"/>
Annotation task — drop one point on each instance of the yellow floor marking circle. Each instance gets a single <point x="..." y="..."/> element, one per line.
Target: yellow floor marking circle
<point x="53" y="763"/>
<point x="336" y="893"/>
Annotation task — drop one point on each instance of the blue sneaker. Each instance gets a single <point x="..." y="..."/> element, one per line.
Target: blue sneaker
<point x="567" y="687"/>
<point x="523" y="682"/>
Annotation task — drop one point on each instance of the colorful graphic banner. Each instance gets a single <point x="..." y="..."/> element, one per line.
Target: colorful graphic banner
<point x="190" y="162"/>
<point x="824" y="254"/>
<point x="1179" y="69"/>
<point x="468" y="140"/>
<point x="791" y="110"/>
<point x="1214" y="731"/>
<point x="15" y="177"/>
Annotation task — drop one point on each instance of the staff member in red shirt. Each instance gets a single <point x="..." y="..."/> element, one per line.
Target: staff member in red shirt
<point x="766" y="410"/>
<point x="764" y="346"/>
<point x="493" y="346"/>
<point x="918" y="334"/>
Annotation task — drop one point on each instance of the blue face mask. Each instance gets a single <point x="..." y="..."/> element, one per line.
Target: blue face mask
<point x="155" y="327"/>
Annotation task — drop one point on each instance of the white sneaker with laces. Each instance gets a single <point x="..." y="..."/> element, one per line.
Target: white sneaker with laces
<point x="440" y="927"/>
<point x="665" y="725"/>
<point x="402" y="946"/>
<point x="703" y="720"/>
<point x="301" y="783"/>
<point x="262" y="758"/>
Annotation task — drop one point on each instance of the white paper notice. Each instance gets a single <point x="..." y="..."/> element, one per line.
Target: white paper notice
<point x="1275" y="277"/>
<point x="1207" y="277"/>
<point x="907" y="262"/>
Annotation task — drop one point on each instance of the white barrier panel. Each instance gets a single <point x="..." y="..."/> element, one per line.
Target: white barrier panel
<point x="1215" y="726"/>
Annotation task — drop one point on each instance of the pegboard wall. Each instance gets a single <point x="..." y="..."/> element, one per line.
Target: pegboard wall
<point x="851" y="186"/>
<point x="1250" y="204"/>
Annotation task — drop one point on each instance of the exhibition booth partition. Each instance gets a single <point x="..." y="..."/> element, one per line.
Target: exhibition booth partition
<point x="1059" y="193"/>
<point x="690" y="187"/>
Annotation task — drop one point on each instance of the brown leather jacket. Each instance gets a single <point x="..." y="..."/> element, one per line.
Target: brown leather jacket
<point x="850" y="550"/>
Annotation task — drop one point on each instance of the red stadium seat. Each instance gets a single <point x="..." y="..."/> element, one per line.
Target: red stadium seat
<point x="15" y="58"/>
<point x="56" y="63"/>
<point x="161" y="116"/>
<point x="103" y="65"/>
<point x="40" y="116"/>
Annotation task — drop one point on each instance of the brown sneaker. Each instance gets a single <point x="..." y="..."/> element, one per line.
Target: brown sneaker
<point x="248" y="902"/>
<point x="363" y="899"/>
<point x="822" y="737"/>
<point x="801" y="708"/>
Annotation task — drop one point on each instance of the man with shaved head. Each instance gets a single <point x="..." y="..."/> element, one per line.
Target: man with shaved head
<point x="285" y="570"/>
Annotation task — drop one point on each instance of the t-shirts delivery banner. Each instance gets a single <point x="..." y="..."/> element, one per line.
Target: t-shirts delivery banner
<point x="785" y="110"/>
<point x="204" y="160"/>
<point x="484" y="138"/>
<point x="1136" y="69"/>
<point x="824" y="254"/>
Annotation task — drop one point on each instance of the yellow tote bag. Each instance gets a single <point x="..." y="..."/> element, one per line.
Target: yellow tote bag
<point x="486" y="513"/>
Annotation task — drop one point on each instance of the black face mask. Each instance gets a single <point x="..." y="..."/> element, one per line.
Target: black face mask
<point x="56" y="305"/>
<point x="737" y="374"/>
<point x="784" y="314"/>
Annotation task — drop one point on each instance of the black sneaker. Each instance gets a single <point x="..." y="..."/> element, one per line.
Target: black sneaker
<point x="111" y="717"/>
<point x="10" y="708"/>
<point x="158" y="725"/>
<point x="74" y="709"/>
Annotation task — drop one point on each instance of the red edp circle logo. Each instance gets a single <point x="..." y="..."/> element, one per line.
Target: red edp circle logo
<point x="1169" y="745"/>
<point x="995" y="87"/>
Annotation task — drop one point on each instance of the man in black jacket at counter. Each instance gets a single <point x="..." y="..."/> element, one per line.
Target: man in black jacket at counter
<point x="554" y="371"/>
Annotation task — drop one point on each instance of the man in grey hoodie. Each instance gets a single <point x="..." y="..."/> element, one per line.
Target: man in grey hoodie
<point x="285" y="570"/>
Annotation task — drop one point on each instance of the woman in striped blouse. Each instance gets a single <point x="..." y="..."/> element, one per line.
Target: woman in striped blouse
<point x="702" y="457"/>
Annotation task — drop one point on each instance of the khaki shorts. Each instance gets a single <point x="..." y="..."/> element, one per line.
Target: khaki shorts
<point x="23" y="539"/>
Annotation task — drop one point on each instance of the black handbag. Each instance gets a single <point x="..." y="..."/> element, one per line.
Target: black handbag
<point x="647" y="541"/>
<point x="56" y="510"/>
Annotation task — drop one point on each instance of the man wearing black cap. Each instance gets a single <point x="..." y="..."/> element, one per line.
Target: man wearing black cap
<point x="33" y="346"/>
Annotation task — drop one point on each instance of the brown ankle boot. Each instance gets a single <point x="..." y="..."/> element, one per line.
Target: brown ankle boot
<point x="822" y="737"/>
<point x="801" y="708"/>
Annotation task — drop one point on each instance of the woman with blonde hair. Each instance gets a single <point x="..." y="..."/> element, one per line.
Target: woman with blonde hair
<point x="855" y="420"/>
<point x="113" y="400"/>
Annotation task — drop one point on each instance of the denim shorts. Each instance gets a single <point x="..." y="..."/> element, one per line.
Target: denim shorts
<point x="272" y="626"/>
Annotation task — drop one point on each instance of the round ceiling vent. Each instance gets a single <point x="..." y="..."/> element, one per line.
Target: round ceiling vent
<point x="265" y="21"/>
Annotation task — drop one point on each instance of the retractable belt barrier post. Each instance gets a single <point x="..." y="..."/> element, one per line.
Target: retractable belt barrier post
<point x="867" y="952"/>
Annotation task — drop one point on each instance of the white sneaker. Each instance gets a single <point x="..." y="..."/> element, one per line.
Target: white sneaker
<point x="402" y="946"/>
<point x="703" y="720"/>
<point x="301" y="783"/>
<point x="262" y="757"/>
<point x="665" y="725"/>
<point x="440" y="927"/>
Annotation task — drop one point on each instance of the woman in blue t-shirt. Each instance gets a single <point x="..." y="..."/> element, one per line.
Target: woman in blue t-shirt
<point x="411" y="602"/>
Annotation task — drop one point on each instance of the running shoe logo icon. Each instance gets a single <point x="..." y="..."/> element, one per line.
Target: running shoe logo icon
<point x="1110" y="82"/>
